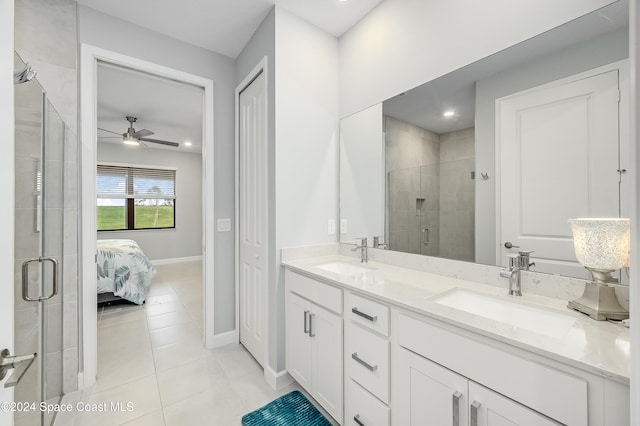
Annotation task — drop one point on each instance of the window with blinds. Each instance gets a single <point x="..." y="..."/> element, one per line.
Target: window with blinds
<point x="131" y="198"/>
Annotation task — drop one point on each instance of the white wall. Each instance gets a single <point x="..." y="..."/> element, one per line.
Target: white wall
<point x="186" y="239"/>
<point x="392" y="49"/>
<point x="573" y="60"/>
<point x="303" y="130"/>
<point x="306" y="146"/>
<point x="7" y="175"/>
<point x="116" y="35"/>
<point x="634" y="290"/>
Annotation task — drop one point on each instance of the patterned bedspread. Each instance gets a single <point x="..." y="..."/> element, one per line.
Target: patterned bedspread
<point x="123" y="269"/>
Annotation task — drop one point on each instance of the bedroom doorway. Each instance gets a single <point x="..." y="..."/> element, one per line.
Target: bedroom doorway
<point x="152" y="206"/>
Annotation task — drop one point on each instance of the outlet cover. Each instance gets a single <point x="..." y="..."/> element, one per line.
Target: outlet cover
<point x="224" y="225"/>
<point x="343" y="226"/>
<point x="331" y="227"/>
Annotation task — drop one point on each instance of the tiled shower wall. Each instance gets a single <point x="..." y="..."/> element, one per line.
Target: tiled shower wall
<point x="412" y="164"/>
<point x="431" y="194"/>
<point x="457" y="195"/>
<point x="46" y="37"/>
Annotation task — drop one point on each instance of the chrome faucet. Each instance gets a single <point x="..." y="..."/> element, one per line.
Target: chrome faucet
<point x="523" y="260"/>
<point x="363" y="250"/>
<point x="513" y="273"/>
<point x="378" y="244"/>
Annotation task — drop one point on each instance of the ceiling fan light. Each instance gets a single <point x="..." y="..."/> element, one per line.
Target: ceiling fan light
<point x="130" y="140"/>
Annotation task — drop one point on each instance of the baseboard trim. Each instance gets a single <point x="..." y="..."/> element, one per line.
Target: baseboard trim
<point x="277" y="380"/>
<point x="176" y="260"/>
<point x="224" y="339"/>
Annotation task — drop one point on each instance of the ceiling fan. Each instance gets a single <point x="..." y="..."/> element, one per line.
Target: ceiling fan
<point x="133" y="137"/>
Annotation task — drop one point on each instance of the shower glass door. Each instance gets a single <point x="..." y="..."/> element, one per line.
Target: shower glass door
<point x="39" y="202"/>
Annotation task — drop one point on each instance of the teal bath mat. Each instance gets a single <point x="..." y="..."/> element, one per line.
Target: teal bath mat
<point x="292" y="409"/>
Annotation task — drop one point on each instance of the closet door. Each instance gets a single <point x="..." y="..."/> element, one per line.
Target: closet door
<point x="253" y="187"/>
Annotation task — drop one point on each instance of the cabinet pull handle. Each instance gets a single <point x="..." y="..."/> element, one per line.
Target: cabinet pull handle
<point x="362" y="362"/>
<point x="363" y="315"/>
<point x="356" y="419"/>
<point x="311" y="333"/>
<point x="475" y="405"/>
<point x="456" y="408"/>
<point x="306" y="322"/>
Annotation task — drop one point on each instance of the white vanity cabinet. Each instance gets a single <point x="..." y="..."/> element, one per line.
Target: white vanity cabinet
<point x="367" y="361"/>
<point x="431" y="394"/>
<point x="314" y="340"/>
<point x="505" y="385"/>
<point x="375" y="361"/>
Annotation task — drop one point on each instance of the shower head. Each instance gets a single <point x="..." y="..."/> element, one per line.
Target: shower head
<point x="24" y="75"/>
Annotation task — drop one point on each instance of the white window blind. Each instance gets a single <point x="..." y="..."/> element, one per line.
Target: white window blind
<point x="135" y="182"/>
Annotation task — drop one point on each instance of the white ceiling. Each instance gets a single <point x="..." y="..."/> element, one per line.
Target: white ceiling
<point x="172" y="110"/>
<point x="225" y="26"/>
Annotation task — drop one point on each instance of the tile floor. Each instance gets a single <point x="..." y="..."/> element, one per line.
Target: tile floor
<point x="153" y="357"/>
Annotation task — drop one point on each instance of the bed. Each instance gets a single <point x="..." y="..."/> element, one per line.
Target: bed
<point x="123" y="271"/>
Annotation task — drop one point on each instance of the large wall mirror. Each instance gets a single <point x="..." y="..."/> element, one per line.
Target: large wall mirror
<point x="494" y="157"/>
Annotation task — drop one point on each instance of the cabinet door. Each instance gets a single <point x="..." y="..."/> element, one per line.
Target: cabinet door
<point x="428" y="394"/>
<point x="326" y="337"/>
<point x="299" y="351"/>
<point x="488" y="408"/>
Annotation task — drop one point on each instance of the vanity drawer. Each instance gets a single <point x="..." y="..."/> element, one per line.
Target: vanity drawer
<point x="318" y="292"/>
<point x="552" y="392"/>
<point x="364" y="407"/>
<point x="371" y="314"/>
<point x="368" y="358"/>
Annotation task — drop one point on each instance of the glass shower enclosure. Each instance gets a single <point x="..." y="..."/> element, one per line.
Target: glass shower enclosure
<point x="40" y="136"/>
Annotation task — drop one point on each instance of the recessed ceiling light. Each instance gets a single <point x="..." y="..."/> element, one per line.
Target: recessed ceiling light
<point x="187" y="143"/>
<point x="449" y="113"/>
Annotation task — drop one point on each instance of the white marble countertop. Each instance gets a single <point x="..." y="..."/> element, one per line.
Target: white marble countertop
<point x="599" y="347"/>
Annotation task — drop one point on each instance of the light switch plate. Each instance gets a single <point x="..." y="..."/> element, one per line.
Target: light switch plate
<point x="343" y="226"/>
<point x="331" y="227"/>
<point x="224" y="225"/>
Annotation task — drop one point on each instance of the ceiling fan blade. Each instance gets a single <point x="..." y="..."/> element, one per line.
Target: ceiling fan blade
<point x="142" y="133"/>
<point x="109" y="131"/>
<point x="161" y="142"/>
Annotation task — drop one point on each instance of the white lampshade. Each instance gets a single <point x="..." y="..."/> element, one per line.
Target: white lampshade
<point x="601" y="244"/>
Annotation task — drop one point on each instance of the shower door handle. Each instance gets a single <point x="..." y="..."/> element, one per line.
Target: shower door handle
<point x="425" y="236"/>
<point x="25" y="278"/>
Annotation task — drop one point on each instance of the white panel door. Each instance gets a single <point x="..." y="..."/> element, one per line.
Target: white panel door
<point x="558" y="159"/>
<point x="325" y="330"/>
<point x="488" y="408"/>
<point x="429" y="394"/>
<point x="253" y="217"/>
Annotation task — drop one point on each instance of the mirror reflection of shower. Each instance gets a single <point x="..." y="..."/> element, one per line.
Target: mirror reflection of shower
<point x="431" y="190"/>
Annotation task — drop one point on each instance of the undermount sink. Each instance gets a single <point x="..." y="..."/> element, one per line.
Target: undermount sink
<point x="344" y="268"/>
<point x="519" y="315"/>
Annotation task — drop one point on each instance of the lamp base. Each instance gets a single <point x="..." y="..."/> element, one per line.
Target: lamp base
<point x="599" y="301"/>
